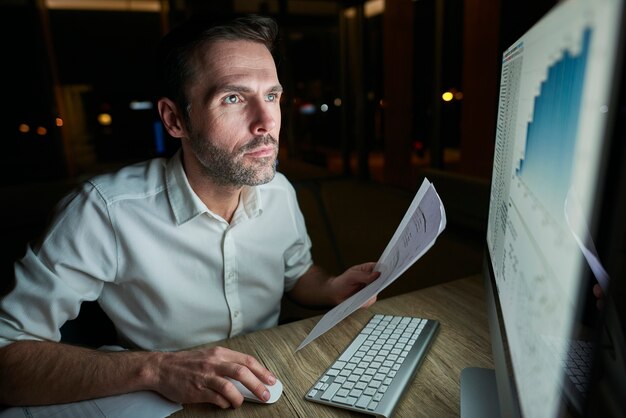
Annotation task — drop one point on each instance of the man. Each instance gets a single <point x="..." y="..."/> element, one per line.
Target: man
<point x="178" y="253"/>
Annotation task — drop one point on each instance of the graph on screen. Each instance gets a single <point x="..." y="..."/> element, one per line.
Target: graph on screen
<point x="551" y="134"/>
<point x="537" y="138"/>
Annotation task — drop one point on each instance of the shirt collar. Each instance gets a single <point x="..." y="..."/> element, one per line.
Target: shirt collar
<point x="186" y="205"/>
<point x="250" y="204"/>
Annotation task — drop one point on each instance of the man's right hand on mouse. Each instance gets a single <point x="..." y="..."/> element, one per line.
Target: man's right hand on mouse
<point x="200" y="376"/>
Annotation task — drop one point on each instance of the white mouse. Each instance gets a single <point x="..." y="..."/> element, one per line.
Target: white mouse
<point x="275" y="391"/>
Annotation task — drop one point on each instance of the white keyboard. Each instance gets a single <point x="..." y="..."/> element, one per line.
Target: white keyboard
<point x="373" y="372"/>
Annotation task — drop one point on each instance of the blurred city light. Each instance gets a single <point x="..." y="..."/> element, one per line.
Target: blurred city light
<point x="104" y="119"/>
<point x="141" y="105"/>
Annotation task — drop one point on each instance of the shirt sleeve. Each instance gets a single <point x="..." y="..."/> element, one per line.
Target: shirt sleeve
<point x="76" y="256"/>
<point x="298" y="256"/>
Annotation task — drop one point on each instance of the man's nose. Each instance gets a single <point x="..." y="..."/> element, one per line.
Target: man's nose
<point x="264" y="118"/>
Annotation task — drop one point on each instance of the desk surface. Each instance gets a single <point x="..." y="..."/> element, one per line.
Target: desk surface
<point x="462" y="341"/>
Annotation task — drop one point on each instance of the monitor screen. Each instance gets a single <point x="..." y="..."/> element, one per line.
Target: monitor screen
<point x="558" y="92"/>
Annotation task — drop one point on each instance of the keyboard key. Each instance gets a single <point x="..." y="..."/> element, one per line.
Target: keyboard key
<point x="330" y="392"/>
<point x="356" y="343"/>
<point x="342" y="393"/>
<point x="372" y="406"/>
<point x="375" y="384"/>
<point x="369" y="391"/>
<point x="363" y="402"/>
<point x="339" y="365"/>
<point x="360" y="385"/>
<point x="344" y="400"/>
<point x="356" y="393"/>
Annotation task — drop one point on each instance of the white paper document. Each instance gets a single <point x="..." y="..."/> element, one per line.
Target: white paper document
<point x="136" y="405"/>
<point x="423" y="222"/>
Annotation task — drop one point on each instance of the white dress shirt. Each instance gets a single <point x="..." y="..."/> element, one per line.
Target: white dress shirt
<point x="167" y="271"/>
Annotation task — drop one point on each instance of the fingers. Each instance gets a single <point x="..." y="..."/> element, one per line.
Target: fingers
<point x="224" y="392"/>
<point x="364" y="271"/>
<point x="599" y="294"/>
<point x="366" y="267"/>
<point x="369" y="302"/>
<point x="243" y="362"/>
<point x="245" y="369"/>
<point x="199" y="376"/>
<point x="365" y="280"/>
<point x="369" y="269"/>
<point x="373" y="276"/>
<point x="215" y="396"/>
<point x="251" y="381"/>
<point x="597" y="291"/>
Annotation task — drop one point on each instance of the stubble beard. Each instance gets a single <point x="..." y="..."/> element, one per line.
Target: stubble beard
<point x="232" y="169"/>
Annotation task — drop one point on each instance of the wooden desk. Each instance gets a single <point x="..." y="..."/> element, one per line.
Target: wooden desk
<point x="462" y="341"/>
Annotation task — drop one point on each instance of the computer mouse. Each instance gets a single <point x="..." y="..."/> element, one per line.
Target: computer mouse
<point x="275" y="391"/>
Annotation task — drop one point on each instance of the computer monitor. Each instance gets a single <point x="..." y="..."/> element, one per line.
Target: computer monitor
<point x="555" y="228"/>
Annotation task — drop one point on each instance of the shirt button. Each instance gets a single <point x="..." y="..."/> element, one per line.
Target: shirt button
<point x="236" y="314"/>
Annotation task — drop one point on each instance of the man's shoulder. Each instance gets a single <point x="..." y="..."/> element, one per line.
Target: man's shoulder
<point x="134" y="181"/>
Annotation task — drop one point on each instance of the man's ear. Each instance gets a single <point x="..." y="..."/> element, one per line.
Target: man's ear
<point x="172" y="119"/>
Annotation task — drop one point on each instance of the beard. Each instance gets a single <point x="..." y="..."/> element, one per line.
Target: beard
<point x="230" y="168"/>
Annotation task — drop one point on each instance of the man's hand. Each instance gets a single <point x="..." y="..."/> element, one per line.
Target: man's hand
<point x="317" y="288"/>
<point x="353" y="280"/>
<point x="200" y="376"/>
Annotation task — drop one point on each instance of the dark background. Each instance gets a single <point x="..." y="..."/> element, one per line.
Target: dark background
<point x="75" y="64"/>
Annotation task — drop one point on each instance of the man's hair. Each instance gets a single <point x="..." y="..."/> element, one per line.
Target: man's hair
<point x="174" y="69"/>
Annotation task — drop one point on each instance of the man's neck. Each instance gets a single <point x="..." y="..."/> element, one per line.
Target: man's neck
<point x="219" y="198"/>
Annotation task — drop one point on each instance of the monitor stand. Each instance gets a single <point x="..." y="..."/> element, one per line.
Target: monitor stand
<point x="479" y="393"/>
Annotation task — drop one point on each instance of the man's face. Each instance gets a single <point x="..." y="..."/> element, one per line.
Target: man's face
<point x="234" y="118"/>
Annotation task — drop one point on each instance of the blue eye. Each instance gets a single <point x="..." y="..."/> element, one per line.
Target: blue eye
<point x="233" y="98"/>
<point x="272" y="97"/>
